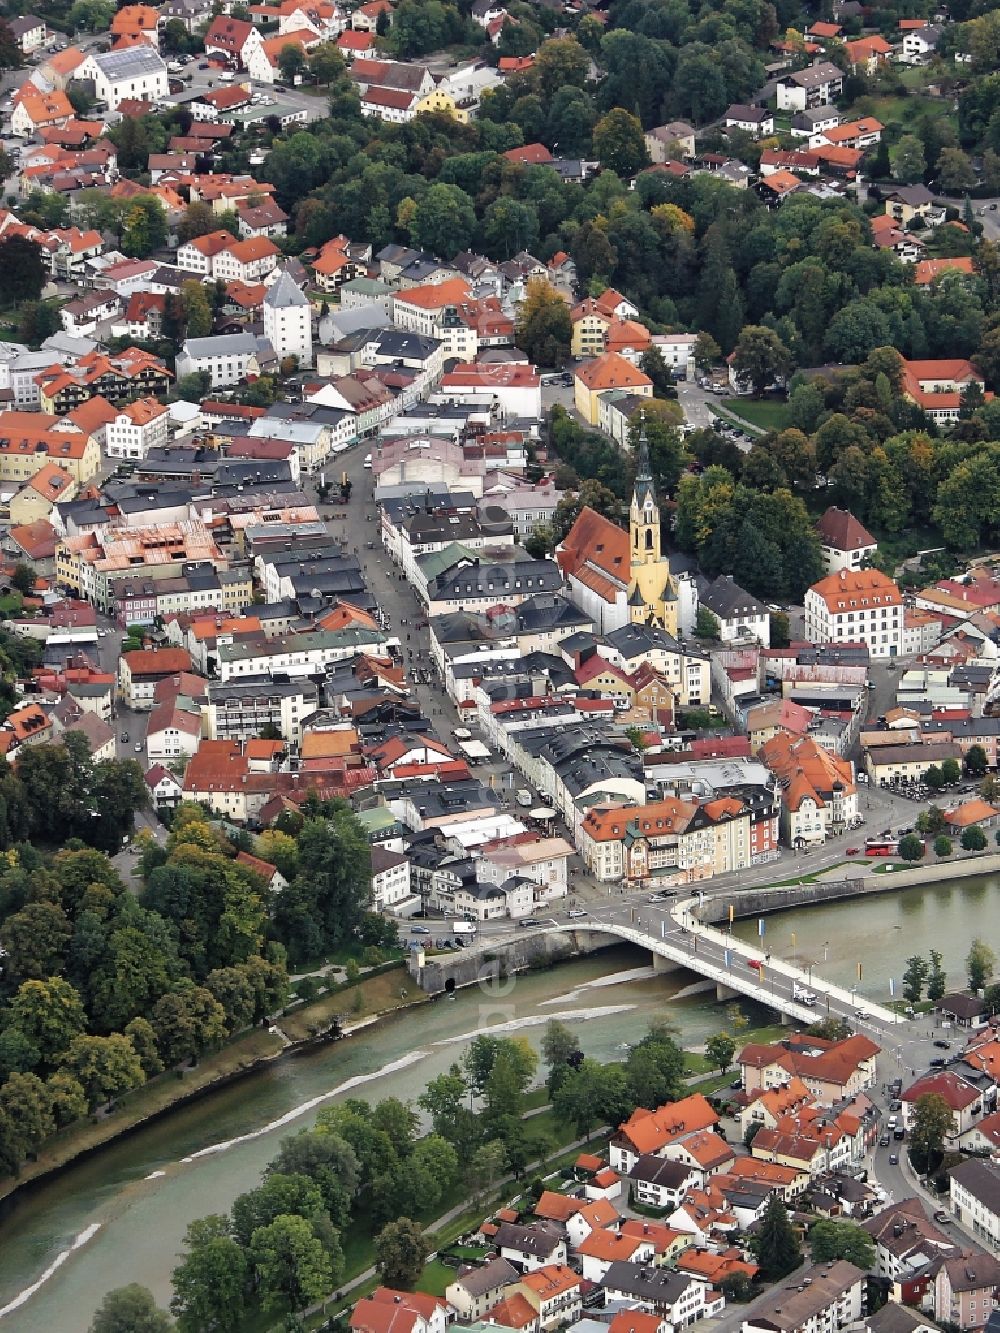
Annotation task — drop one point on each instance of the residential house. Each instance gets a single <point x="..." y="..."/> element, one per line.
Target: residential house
<point x="975" y="1199"/>
<point x="753" y="120"/>
<point x="964" y="1100"/>
<point x="474" y="1291"/>
<point x="678" y="1298"/>
<point x="137" y="428"/>
<point x="605" y="372"/>
<point x="670" y="142"/>
<point x="937" y="386"/>
<point x="530" y="1248"/>
<point x="845" y="543"/>
<point x="967" y="1287"/>
<point x="140" y="671"/>
<point x="134" y="73"/>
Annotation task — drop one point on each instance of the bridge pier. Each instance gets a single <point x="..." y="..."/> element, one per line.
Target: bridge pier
<point x="661" y="964"/>
<point x="725" y="992"/>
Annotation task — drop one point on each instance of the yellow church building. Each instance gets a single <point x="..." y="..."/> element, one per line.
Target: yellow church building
<point x="616" y="577"/>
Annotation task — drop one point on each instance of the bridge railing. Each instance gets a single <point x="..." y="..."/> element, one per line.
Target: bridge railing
<point x="685" y="913"/>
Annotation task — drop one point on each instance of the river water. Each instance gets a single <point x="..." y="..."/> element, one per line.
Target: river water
<point x="125" y="1210"/>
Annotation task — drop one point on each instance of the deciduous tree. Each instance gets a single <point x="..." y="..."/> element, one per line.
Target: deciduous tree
<point x="400" y="1253"/>
<point x="130" y="1309"/>
<point x="210" y="1281"/>
<point x="980" y="963"/>
<point x="290" y="1263"/>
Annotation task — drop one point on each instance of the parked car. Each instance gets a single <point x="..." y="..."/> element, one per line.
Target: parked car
<point x="894" y="1159"/>
<point x="884" y="1141"/>
<point x="942" y="1044"/>
<point x="420" y="930"/>
<point x="853" y="851"/>
<point x="942" y="1216"/>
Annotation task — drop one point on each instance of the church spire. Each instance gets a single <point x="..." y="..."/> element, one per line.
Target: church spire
<point x="643" y="472"/>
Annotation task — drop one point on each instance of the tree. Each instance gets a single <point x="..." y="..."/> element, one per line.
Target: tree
<point x="931" y="821"/>
<point x="130" y="1309"/>
<point x="950" y="772"/>
<point x="937" y="980"/>
<point x="23" y="271"/>
<point x="914" y="976"/>
<point x="544" y="329"/>
<point x="197" y="311"/>
<point x="619" y="144"/>
<point x="290" y="1263"/>
<point x="980" y="963"/>
<point x="775" y="1244"/>
<point x="326" y="64"/>
<point x="707" y="351"/>
<point x="975" y="761"/>
<point x="929" y="1129"/>
<point x="760" y="357"/>
<point x="911" y="848"/>
<point x="105" y="1067"/>
<point x="560" y="1051"/>
<point x="279" y="1195"/>
<point x="35" y="940"/>
<point x="954" y="172"/>
<point x="66" y="1097"/>
<point x="908" y="162"/>
<point x="25" y="1105"/>
<point x="973" y="839"/>
<point x="444" y="221"/>
<point x="485" y="1168"/>
<point x="210" y="1281"/>
<point x="706" y="625"/>
<point x="943" y="846"/>
<point x="400" y="1253"/>
<point x="719" y="1050"/>
<point x="198" y="220"/>
<point x="291" y="62"/>
<point x="830" y="1240"/>
<point x="145" y="226"/>
<point x="91" y="15"/>
<point x="188" y="1022"/>
<point x="50" y="1014"/>
<point x="23" y="578"/>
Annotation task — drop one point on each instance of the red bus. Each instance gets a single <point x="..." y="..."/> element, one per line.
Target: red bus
<point x="881" y="846"/>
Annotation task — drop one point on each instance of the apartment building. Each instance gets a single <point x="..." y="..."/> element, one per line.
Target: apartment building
<point x="826" y="1298"/>
<point x="667" y="842"/>
<point x="241" y="709"/>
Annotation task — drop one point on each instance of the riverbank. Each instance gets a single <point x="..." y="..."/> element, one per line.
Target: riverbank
<point x="301" y="1029"/>
<point x="872" y="880"/>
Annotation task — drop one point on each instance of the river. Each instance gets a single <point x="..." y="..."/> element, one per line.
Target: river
<point x="126" y="1208"/>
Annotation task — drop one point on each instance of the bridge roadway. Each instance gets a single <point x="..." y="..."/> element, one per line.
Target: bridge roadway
<point x="672" y="932"/>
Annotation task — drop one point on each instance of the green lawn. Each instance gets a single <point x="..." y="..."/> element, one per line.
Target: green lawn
<point x="766" y="413"/>
<point x="435" y="1277"/>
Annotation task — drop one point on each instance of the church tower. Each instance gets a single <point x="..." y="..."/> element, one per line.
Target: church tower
<point x="644" y="514"/>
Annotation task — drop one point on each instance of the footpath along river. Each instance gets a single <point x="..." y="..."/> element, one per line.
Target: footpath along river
<point x="125" y="1209"/>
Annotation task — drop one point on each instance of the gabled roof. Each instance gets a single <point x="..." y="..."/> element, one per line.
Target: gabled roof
<point x="840" y="530"/>
<point x="611" y="371"/>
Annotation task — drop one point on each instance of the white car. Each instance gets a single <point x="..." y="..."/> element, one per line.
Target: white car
<point x="368" y="461"/>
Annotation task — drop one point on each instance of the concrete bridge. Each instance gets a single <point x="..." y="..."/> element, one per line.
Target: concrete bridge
<point x="676" y="938"/>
